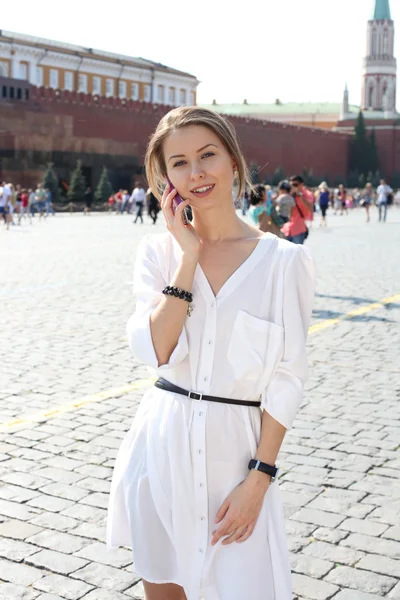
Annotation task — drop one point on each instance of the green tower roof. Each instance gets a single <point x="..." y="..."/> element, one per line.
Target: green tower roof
<point x="382" y="10"/>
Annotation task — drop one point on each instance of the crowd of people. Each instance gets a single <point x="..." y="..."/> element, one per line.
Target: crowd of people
<point x="289" y="210"/>
<point x="18" y="203"/>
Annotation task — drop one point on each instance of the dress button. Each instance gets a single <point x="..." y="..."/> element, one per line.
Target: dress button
<point x="203" y="518"/>
<point x="209" y="342"/>
<point x="200" y="414"/>
<point x="205" y="378"/>
<point x="202" y="485"/>
<point x="201" y="550"/>
<point x="200" y="451"/>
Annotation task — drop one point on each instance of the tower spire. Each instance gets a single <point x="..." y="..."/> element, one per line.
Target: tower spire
<point x="382" y="11"/>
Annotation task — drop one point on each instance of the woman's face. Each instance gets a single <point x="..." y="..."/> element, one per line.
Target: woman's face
<point x="199" y="166"/>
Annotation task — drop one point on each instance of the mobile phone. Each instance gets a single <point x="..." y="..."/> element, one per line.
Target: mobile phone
<point x="177" y="201"/>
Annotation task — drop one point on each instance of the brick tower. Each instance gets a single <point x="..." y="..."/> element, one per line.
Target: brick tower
<point x="380" y="67"/>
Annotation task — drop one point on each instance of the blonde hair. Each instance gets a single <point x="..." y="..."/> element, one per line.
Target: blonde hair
<point x="186" y="116"/>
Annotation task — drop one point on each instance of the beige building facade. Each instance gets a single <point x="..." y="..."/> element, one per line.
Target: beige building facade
<point x="64" y="66"/>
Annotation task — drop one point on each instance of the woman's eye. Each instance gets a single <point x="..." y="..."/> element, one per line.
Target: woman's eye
<point x="207" y="154"/>
<point x="179" y="163"/>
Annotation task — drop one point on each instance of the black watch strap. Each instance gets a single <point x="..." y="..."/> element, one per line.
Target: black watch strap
<point x="264" y="468"/>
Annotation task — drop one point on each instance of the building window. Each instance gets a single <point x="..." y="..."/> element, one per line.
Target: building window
<point x="122" y="89"/>
<point x="386" y="42"/>
<point x="109" y="87"/>
<point x="147" y="93"/>
<point x="160" y="95"/>
<point x="82" y="87"/>
<point x="171" y="96"/>
<point x="3" y="68"/>
<point x="370" y="96"/>
<point x="23" y="71"/>
<point x="39" y="76"/>
<point x="68" y="81"/>
<point x="135" y="91"/>
<point x="183" y="97"/>
<point x="373" y="48"/>
<point x="96" y="85"/>
<point x="54" y="78"/>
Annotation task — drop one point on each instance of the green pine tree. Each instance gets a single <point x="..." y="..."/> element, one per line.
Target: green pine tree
<point x="360" y="148"/>
<point x="77" y="188"/>
<point x="277" y="176"/>
<point x="395" y="180"/>
<point x="370" y="177"/>
<point x="104" y="188"/>
<point x="376" y="179"/>
<point x="373" y="152"/>
<point x="50" y="182"/>
<point x="361" y="181"/>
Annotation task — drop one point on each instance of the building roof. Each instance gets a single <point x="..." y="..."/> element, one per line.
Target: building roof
<point x="57" y="46"/>
<point x="382" y="10"/>
<point x="278" y="109"/>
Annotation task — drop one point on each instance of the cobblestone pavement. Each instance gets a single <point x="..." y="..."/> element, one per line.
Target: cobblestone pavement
<point x="66" y="295"/>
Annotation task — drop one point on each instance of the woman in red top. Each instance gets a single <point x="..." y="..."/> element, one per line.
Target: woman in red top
<point x="342" y="198"/>
<point x="24" y="207"/>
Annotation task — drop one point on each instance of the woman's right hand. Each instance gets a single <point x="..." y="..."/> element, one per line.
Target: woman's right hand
<point x="185" y="234"/>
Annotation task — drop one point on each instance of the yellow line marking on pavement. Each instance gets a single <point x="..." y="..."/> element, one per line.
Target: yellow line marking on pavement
<point x="90" y="399"/>
<point x="131" y="387"/>
<point x="363" y="310"/>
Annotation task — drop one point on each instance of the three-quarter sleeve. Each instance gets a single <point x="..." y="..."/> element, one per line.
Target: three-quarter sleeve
<point x="148" y="283"/>
<point x="284" y="393"/>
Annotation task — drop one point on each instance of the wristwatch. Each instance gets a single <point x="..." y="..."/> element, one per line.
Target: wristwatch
<point x="257" y="465"/>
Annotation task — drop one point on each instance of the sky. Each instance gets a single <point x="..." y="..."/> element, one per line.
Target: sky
<point x="261" y="50"/>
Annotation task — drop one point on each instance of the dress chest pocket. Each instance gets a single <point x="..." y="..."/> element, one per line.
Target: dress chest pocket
<point x="255" y="347"/>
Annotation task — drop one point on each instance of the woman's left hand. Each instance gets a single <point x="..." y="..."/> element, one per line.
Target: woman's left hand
<point x="239" y="512"/>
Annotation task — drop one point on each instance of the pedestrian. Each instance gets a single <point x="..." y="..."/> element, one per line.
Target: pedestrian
<point x="193" y="477"/>
<point x="263" y="212"/>
<point x="397" y="198"/>
<point x="296" y="230"/>
<point x="40" y="200"/>
<point x="246" y="203"/>
<point x="323" y="201"/>
<point x="24" y="210"/>
<point x="31" y="202"/>
<point x="125" y="199"/>
<point x="367" y="199"/>
<point x="4" y="204"/>
<point x="284" y="201"/>
<point x="342" y="196"/>
<point x="383" y="191"/>
<point x="153" y="205"/>
<point x="49" y="203"/>
<point x="138" y="198"/>
<point x="88" y="201"/>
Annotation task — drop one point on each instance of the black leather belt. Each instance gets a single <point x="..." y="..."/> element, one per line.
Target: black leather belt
<point x="165" y="385"/>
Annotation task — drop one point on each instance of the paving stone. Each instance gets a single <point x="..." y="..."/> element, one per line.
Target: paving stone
<point x="380" y="564"/>
<point x="392" y="533"/>
<point x="20" y="574"/>
<point x="18" y="530"/>
<point x="56" y="562"/>
<point x="333" y="553"/>
<point x="101" y="594"/>
<point x="9" y="591"/>
<point x="71" y="589"/>
<point x="364" y="581"/>
<point x="373" y="545"/>
<point x="98" y="552"/>
<point x="136" y="592"/>
<point x="334" y="536"/>
<point x="395" y="592"/>
<point x="318" y="517"/>
<point x="56" y="540"/>
<point x="55" y="521"/>
<point x="355" y="595"/>
<point x="50" y="503"/>
<point x="366" y="526"/>
<point x="15" y="549"/>
<point x="311" y="566"/>
<point x="103" y="576"/>
<point x="313" y="589"/>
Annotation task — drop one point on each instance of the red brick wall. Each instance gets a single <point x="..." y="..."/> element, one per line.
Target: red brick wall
<point x="75" y="122"/>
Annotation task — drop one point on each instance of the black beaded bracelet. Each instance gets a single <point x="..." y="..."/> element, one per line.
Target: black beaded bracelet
<point x="178" y="293"/>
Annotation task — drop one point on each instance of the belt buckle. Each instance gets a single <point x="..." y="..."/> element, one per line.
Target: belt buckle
<point x="197" y="394"/>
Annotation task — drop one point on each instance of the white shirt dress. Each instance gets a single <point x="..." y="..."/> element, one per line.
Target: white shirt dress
<point x="182" y="457"/>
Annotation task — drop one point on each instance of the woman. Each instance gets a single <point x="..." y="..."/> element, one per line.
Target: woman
<point x="367" y="199"/>
<point x="262" y="211"/>
<point x="323" y="201"/>
<point x="342" y="196"/>
<point x="222" y="314"/>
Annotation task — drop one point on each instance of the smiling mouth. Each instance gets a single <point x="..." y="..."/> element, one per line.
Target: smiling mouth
<point x="203" y="190"/>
